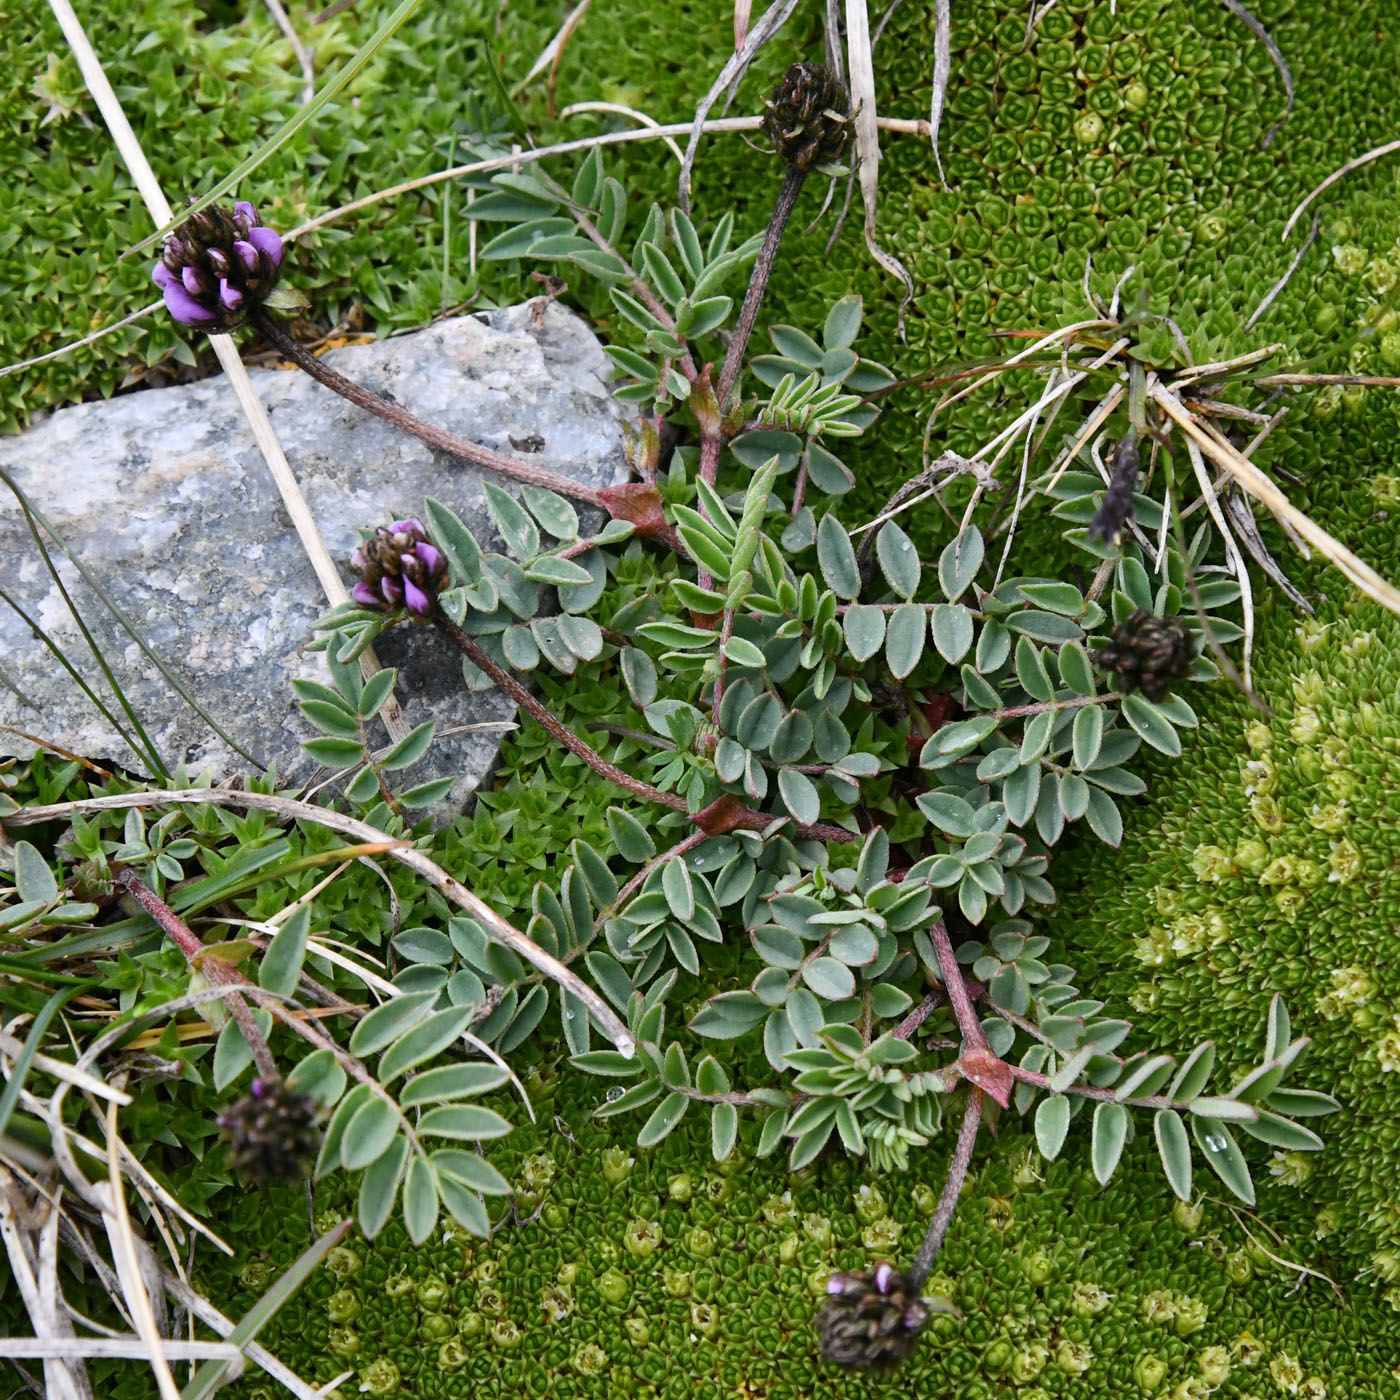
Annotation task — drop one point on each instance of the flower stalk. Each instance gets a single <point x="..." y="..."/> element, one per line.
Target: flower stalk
<point x="952" y="1188"/>
<point x="726" y="814"/>
<point x="214" y="969"/>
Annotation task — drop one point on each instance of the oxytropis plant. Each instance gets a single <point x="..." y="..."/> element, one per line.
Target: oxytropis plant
<point x="846" y="766"/>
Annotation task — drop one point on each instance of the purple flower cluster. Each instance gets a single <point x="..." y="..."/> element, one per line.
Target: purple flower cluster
<point x="271" y="1134"/>
<point x="215" y="264"/>
<point x="398" y="567"/>
<point x="871" y="1321"/>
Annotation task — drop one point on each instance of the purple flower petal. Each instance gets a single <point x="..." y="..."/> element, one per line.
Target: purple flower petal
<point x="365" y="596"/>
<point x="409" y="526"/>
<point x="247" y="255"/>
<point x="836" y="1284"/>
<point x="229" y="296"/>
<point x="196" y="283"/>
<point x="392" y="590"/>
<point x="419" y="603"/>
<point x="161" y="275"/>
<point x="185" y="309"/>
<point x="265" y="241"/>
<point x="244" y="210"/>
<point x="428" y="556"/>
<point x="883" y="1275"/>
<point x="218" y="260"/>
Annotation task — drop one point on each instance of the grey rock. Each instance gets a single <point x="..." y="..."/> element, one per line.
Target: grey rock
<point x="164" y="495"/>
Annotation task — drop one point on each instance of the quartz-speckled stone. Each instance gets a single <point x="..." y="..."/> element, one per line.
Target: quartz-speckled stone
<point x="164" y="495"/>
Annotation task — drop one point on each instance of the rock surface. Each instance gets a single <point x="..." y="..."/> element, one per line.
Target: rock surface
<point x="165" y="497"/>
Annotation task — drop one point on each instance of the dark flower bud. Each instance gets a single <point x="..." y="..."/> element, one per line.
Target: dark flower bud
<point x="871" y="1321"/>
<point x="1148" y="653"/>
<point x="271" y="1134"/>
<point x="217" y="263"/>
<point x="1117" y="507"/>
<point x="399" y="567"/>
<point x="808" y="117"/>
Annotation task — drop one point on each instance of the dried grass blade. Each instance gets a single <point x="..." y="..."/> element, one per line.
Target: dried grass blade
<point x="773" y="20"/>
<point x="65" y="1377"/>
<point x="124" y="1254"/>
<point x="284" y="133"/>
<point x="621" y="110"/>
<point x="743" y="10"/>
<point x="209" y="1377"/>
<point x="1283" y="281"/>
<point x="1357" y="571"/>
<point x="1232" y="553"/>
<point x="555" y="48"/>
<point x="1241" y="514"/>
<point x="201" y="1308"/>
<point x="867" y="143"/>
<point x="499" y="928"/>
<point x="942" y="67"/>
<point x="1275" y="53"/>
<point x="1097" y="419"/>
<point x="1375" y="153"/>
<point x="98" y="84"/>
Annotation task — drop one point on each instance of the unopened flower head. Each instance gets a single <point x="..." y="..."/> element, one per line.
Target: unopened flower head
<point x="217" y="265"/>
<point x="808" y="117"/>
<point x="871" y="1321"/>
<point x="399" y="568"/>
<point x="1148" y="653"/>
<point x="271" y="1134"/>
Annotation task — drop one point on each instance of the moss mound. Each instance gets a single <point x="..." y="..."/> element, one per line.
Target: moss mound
<point x="661" y="1275"/>
<point x="1268" y="862"/>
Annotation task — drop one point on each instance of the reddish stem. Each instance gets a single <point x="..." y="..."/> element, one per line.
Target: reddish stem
<point x="726" y="814"/>
<point x="486" y="458"/>
<point x="214" y="969"/>
<point x="952" y="1189"/>
<point x="532" y="707"/>
<point x="978" y="1062"/>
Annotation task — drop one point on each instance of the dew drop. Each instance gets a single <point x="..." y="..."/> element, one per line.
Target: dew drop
<point x="615" y="1093"/>
<point x="1215" y="1142"/>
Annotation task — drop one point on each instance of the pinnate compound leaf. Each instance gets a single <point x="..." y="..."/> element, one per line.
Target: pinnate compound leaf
<point x="898" y="559"/>
<point x="667" y="1114"/>
<point x="380" y="1186"/>
<point x="1110" y="1133"/>
<point x="1174" y="1148"/>
<point x="1051" y="1125"/>
<point x="420" y="1200"/>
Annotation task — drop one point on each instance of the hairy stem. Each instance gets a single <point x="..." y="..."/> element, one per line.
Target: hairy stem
<point x="744" y="817"/>
<point x="217" y="971"/>
<point x="969" y="1027"/>
<point x="487" y="458"/>
<point x="952" y="1189"/>
<point x="532" y="707"/>
<point x="758" y="282"/>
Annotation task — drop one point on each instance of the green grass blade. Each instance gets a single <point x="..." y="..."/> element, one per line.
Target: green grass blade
<point x="208" y="1377"/>
<point x="283" y="134"/>
<point x="148" y="749"/>
<point x="82" y="685"/>
<point x="20" y="1072"/>
<point x="129" y="627"/>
